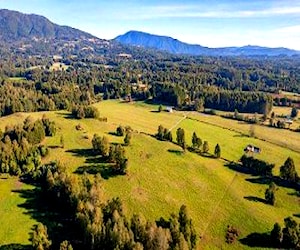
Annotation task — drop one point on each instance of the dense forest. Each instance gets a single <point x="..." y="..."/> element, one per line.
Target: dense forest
<point x="245" y="84"/>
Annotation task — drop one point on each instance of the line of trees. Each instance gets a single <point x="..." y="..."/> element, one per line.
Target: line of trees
<point x="164" y="134"/>
<point x="287" y="237"/>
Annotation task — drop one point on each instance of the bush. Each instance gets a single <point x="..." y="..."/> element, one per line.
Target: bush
<point x="81" y="112"/>
<point x="120" y="131"/>
<point x="231" y="234"/>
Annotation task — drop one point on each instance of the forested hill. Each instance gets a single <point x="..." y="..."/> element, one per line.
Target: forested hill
<point x="165" y="43"/>
<point x="175" y="46"/>
<point x="15" y="26"/>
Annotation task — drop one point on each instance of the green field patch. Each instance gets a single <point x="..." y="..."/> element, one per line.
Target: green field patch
<point x="15" y="219"/>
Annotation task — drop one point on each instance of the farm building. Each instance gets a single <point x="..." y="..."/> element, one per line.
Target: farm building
<point x="252" y="149"/>
<point x="169" y="109"/>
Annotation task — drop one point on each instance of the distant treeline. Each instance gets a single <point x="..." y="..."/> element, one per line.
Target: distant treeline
<point x="215" y="98"/>
<point x="222" y="83"/>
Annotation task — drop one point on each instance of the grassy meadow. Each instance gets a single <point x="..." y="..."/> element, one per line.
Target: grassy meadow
<point x="161" y="177"/>
<point x="15" y="220"/>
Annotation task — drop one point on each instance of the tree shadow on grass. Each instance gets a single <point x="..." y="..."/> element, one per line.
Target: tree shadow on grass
<point x="54" y="146"/>
<point x="241" y="135"/>
<point x="60" y="225"/>
<point x="256" y="199"/>
<point x="277" y="180"/>
<point x="295" y="194"/>
<point x="296" y="215"/>
<point x="260" y="180"/>
<point x="257" y="240"/>
<point x="175" y="151"/>
<point x="237" y="167"/>
<point x="67" y="115"/>
<point x="105" y="170"/>
<point x="82" y="152"/>
<point x="207" y="155"/>
<point x="15" y="246"/>
<point x="90" y="155"/>
<point x="114" y="134"/>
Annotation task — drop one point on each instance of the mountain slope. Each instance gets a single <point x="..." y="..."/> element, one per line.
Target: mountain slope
<point x="172" y="45"/>
<point x="168" y="44"/>
<point x="15" y="26"/>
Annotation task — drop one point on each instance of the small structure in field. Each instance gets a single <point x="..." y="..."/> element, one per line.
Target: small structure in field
<point x="288" y="121"/>
<point x="169" y="109"/>
<point x="79" y="127"/>
<point x="252" y="149"/>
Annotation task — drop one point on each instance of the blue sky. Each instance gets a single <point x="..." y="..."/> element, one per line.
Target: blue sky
<point x="212" y="23"/>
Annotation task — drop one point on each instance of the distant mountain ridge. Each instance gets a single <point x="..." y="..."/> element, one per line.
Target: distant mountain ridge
<point x="175" y="46"/>
<point x="35" y="34"/>
<point x="15" y="25"/>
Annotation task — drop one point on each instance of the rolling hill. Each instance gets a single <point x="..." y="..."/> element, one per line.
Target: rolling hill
<point x="175" y="46"/>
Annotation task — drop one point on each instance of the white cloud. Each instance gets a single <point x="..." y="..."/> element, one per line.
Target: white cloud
<point x="290" y="30"/>
<point x="197" y="11"/>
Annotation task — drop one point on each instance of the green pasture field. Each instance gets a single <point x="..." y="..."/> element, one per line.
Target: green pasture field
<point x="161" y="177"/>
<point x="281" y="137"/>
<point x="15" y="220"/>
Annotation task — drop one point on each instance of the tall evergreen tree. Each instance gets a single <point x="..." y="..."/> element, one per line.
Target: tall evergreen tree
<point x="194" y="140"/>
<point x="217" y="152"/>
<point x="205" y="148"/>
<point x="288" y="170"/>
<point x="160" y="132"/>
<point x="294" y="112"/>
<point x="290" y="234"/>
<point x="127" y="138"/>
<point x="276" y="235"/>
<point x="180" y="138"/>
<point x="270" y="194"/>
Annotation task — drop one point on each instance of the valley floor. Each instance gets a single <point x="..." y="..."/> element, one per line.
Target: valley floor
<point x="161" y="177"/>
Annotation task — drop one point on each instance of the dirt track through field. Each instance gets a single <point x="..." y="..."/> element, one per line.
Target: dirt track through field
<point x="217" y="205"/>
<point x="177" y="123"/>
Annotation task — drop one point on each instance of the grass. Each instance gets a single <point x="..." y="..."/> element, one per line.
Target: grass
<point x="15" y="221"/>
<point x="17" y="79"/>
<point x="161" y="177"/>
<point x="233" y="143"/>
<point x="280" y="137"/>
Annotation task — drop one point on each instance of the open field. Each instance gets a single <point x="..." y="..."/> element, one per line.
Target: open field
<point x="281" y="137"/>
<point x="15" y="221"/>
<point x="160" y="177"/>
<point x="286" y="111"/>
